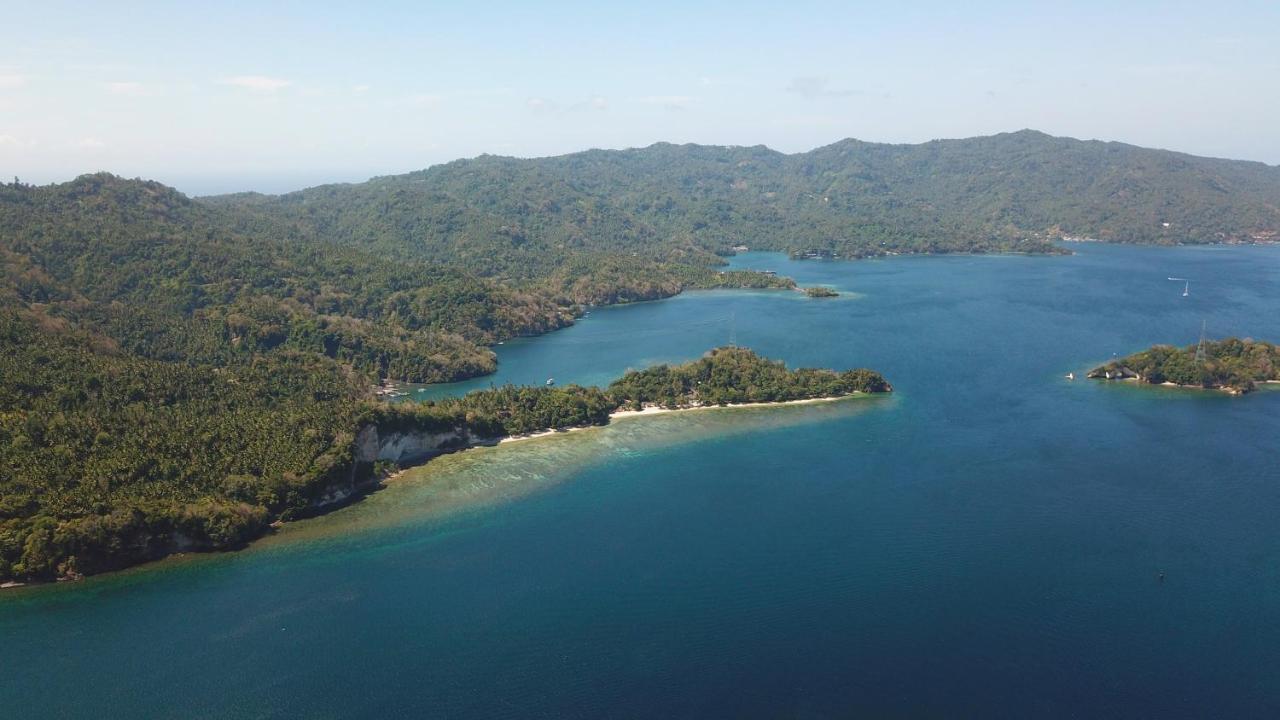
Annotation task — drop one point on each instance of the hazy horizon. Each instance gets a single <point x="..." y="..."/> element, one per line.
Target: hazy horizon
<point x="285" y="183"/>
<point x="274" y="98"/>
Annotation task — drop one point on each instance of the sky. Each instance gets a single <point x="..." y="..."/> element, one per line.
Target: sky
<point x="275" y="96"/>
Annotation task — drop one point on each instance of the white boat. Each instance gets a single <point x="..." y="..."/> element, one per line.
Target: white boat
<point x="551" y="381"/>
<point x="1071" y="376"/>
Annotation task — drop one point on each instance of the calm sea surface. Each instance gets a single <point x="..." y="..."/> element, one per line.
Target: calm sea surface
<point x="983" y="543"/>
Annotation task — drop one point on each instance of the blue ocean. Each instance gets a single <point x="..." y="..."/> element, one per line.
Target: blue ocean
<point x="991" y="540"/>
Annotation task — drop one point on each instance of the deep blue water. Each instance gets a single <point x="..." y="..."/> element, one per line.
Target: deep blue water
<point x="985" y="543"/>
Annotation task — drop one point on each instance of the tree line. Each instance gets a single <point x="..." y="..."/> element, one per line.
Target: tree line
<point x="1231" y="364"/>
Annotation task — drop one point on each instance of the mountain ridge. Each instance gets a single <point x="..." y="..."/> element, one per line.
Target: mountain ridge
<point x="1014" y="191"/>
<point x="1026" y="132"/>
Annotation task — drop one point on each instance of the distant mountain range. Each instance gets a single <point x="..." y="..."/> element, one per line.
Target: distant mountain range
<point x="1009" y="192"/>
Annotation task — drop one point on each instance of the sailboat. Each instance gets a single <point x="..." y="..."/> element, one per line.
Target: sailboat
<point x="1186" y="289"/>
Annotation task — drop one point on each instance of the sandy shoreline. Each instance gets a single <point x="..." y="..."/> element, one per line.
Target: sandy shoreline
<point x="1219" y="388"/>
<point x="658" y="410"/>
<point x="542" y="433"/>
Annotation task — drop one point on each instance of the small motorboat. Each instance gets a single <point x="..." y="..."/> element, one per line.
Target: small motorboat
<point x="551" y="381"/>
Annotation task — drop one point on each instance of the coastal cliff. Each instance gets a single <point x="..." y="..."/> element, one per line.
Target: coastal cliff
<point x="408" y="446"/>
<point x="375" y="450"/>
<point x="72" y="548"/>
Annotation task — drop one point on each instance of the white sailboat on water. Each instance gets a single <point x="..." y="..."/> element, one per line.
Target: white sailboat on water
<point x="1186" y="289"/>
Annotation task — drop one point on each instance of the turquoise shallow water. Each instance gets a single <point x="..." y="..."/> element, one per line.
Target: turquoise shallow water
<point x="983" y="543"/>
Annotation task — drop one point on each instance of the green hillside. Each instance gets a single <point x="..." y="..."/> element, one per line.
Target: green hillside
<point x="520" y="219"/>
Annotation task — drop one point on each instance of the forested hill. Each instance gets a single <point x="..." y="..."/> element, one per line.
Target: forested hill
<point x="521" y="219"/>
<point x="141" y="269"/>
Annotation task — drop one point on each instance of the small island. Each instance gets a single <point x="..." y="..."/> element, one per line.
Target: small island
<point x="42" y="540"/>
<point x="818" y="291"/>
<point x="1233" y="365"/>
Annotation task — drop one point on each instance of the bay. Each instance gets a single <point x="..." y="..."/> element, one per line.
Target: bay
<point x="984" y="542"/>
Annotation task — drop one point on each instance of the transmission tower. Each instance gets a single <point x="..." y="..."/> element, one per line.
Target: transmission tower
<point x="733" y="329"/>
<point x="1200" y="347"/>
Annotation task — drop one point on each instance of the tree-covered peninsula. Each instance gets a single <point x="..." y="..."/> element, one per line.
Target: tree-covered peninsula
<point x="1234" y="365"/>
<point x="110" y="460"/>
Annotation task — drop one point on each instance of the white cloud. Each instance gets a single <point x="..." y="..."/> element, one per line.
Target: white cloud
<point x="595" y="102"/>
<point x="360" y="89"/>
<point x="811" y="86"/>
<point x="541" y="105"/>
<point x="424" y="99"/>
<point x="1179" y="71"/>
<point x="11" y="80"/>
<point x="126" y="88"/>
<point x="670" y="102"/>
<point x="112" y="68"/>
<point x="809" y="121"/>
<point x="256" y="83"/>
<point x="488" y="91"/>
<point x="15" y="144"/>
<point x="90" y="143"/>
